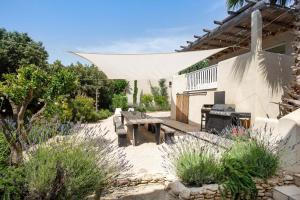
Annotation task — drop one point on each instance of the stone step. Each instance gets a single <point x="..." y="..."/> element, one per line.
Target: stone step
<point x="297" y="179"/>
<point x="287" y="192"/>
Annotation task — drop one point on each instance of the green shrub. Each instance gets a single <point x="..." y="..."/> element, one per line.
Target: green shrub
<point x="104" y="113"/>
<point x="260" y="160"/>
<point x="200" y="65"/>
<point x="4" y="151"/>
<point x="197" y="168"/>
<point x="74" y="166"/>
<point x="12" y="183"/>
<point x="161" y="102"/>
<point x="245" y="160"/>
<point x="12" y="179"/>
<point x="80" y="174"/>
<point x="61" y="108"/>
<point x="84" y="109"/>
<point x="119" y="101"/>
<point x="192" y="160"/>
<point x="147" y="100"/>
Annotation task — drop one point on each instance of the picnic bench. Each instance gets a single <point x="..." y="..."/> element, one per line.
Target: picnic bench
<point x="169" y="133"/>
<point x="135" y="119"/>
<point x="121" y="132"/>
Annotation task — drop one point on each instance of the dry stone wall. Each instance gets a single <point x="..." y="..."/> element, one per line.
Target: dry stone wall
<point x="212" y="192"/>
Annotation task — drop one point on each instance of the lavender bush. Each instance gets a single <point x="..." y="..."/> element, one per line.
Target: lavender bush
<point x="74" y="166"/>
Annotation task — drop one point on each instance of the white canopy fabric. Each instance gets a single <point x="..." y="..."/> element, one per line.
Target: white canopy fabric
<point x="145" y="66"/>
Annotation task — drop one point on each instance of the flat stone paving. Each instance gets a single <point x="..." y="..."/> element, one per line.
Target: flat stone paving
<point x="289" y="192"/>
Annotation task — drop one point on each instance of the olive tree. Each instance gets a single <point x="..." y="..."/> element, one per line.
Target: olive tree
<point x="19" y="49"/>
<point x="30" y="82"/>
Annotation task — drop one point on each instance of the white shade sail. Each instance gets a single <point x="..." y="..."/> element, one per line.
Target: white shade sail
<point x="145" y="66"/>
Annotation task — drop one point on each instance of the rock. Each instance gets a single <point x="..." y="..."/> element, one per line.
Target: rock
<point x="176" y="187"/>
<point x="288" y="178"/>
<point x="123" y="182"/>
<point x="212" y="187"/>
<point x="185" y="194"/>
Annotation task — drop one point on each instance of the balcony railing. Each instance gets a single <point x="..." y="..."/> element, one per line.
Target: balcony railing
<point x="203" y="79"/>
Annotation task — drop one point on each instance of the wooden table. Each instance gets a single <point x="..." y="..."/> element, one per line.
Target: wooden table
<point x="136" y="118"/>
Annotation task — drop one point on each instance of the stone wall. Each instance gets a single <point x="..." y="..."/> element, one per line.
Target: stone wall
<point x="212" y="192"/>
<point x="139" y="180"/>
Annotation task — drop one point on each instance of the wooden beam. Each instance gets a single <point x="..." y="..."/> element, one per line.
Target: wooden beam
<point x="206" y="30"/>
<point x="243" y="27"/>
<point x="233" y="35"/>
<point x="282" y="24"/>
<point x="183" y="47"/>
<point x="197" y="36"/>
<point x="226" y="42"/>
<point x="230" y="22"/>
<point x="189" y="42"/>
<point x="218" y="22"/>
<point x="251" y="1"/>
<point x="230" y="12"/>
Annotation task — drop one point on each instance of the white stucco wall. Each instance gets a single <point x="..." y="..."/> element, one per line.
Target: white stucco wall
<point x="144" y="86"/>
<point x="251" y="81"/>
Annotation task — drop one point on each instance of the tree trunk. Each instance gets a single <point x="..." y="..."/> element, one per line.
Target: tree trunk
<point x="16" y="154"/>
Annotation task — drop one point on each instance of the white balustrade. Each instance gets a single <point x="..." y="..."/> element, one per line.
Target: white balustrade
<point x="203" y="79"/>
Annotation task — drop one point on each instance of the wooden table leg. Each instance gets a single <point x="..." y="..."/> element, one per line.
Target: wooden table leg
<point x="157" y="134"/>
<point x="135" y="133"/>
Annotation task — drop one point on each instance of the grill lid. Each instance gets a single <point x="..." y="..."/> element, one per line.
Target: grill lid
<point x="223" y="107"/>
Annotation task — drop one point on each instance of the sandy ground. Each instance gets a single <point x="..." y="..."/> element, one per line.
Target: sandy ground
<point x="146" y="158"/>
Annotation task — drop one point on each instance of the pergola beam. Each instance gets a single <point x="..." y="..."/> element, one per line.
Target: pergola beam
<point x="207" y="31"/>
<point x="218" y="22"/>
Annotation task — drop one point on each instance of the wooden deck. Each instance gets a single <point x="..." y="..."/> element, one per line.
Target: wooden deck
<point x="179" y="126"/>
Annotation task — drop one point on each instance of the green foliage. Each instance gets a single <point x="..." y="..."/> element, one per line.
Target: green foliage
<point x="232" y="4"/>
<point x="260" y="160"/>
<point x="18" y="49"/>
<point x="81" y="174"/>
<point x="4" y="151"/>
<point x="61" y="108"/>
<point x="147" y="100"/>
<point x="84" y="109"/>
<point x="119" y="101"/>
<point x="135" y="92"/>
<point x="28" y="79"/>
<point x="12" y="179"/>
<point x="198" y="168"/>
<point x="200" y="65"/>
<point x="160" y="96"/>
<point x="61" y="82"/>
<point x="245" y="160"/>
<point x="163" y="88"/>
<point x="12" y="183"/>
<point x="120" y="86"/>
<point x="103" y="114"/>
<point x="237" y="179"/>
<point x="162" y="102"/>
<point x="31" y="79"/>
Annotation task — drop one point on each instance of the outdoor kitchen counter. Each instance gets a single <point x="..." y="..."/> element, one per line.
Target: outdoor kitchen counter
<point x="136" y="118"/>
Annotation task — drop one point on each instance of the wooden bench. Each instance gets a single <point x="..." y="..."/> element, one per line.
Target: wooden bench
<point x="169" y="133"/>
<point x="121" y="132"/>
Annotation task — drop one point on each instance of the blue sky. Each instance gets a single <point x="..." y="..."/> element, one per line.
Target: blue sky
<point x="110" y="26"/>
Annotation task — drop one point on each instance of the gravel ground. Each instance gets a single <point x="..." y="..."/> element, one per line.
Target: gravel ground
<point x="146" y="158"/>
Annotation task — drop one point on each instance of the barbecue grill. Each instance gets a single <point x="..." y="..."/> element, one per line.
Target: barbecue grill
<point x="222" y="115"/>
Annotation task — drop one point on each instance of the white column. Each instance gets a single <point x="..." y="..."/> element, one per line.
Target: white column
<point x="256" y="31"/>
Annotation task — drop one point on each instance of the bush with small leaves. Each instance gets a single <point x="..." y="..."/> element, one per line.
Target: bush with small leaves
<point x="119" y="101"/>
<point x="192" y="160"/>
<point x="74" y="166"/>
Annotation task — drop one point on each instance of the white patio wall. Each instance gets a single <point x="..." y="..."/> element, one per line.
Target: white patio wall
<point x="251" y="81"/>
